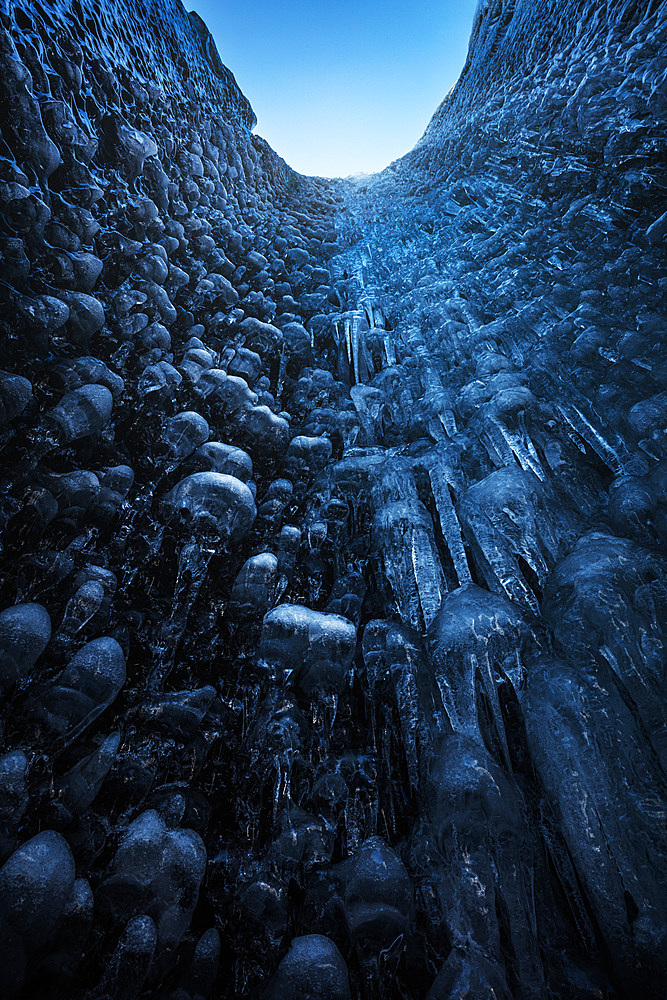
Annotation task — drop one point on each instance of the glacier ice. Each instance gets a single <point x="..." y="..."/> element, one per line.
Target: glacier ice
<point x="332" y="599"/>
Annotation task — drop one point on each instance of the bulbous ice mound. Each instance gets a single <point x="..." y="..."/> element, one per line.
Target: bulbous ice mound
<point x="25" y="630"/>
<point x="214" y="503"/>
<point x="35" y="883"/>
<point x="313" y="967"/>
<point x="378" y="898"/>
<point x="312" y="649"/>
<point x="90" y="682"/>
<point x="158" y="871"/>
<point x="475" y="637"/>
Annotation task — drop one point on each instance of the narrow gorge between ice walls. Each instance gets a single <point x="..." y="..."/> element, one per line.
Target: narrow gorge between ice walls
<point x="332" y="601"/>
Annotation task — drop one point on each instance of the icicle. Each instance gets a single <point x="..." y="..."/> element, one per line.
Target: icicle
<point x="355" y="348"/>
<point x="496" y="445"/>
<point x="389" y="349"/>
<point x="193" y="563"/>
<point x="516" y="588"/>
<point x="360" y="265"/>
<point x="407" y="699"/>
<point x="585" y="429"/>
<point x="281" y="788"/>
<point x="427" y="575"/>
<point x="281" y="373"/>
<point x="192" y="566"/>
<point x="348" y="345"/>
<point x="519" y="448"/>
<point x="451" y="528"/>
<point x="82" y="607"/>
<point x="531" y="447"/>
<point x="323" y="715"/>
<point x="411" y="560"/>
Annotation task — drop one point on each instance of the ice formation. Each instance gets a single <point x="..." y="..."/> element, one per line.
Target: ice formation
<point x="332" y="603"/>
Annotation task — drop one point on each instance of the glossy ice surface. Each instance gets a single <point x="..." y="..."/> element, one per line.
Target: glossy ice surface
<point x="333" y="514"/>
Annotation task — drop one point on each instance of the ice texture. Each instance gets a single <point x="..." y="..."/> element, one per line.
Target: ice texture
<point x="332" y="519"/>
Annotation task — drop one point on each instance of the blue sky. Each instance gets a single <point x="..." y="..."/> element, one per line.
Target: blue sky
<point x="341" y="87"/>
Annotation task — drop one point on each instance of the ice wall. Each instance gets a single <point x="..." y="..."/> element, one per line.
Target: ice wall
<point x="332" y="599"/>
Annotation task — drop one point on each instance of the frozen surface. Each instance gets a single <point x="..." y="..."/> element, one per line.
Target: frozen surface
<point x="332" y="602"/>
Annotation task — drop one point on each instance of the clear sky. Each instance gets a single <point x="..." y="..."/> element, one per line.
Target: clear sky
<point x="341" y="87"/>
